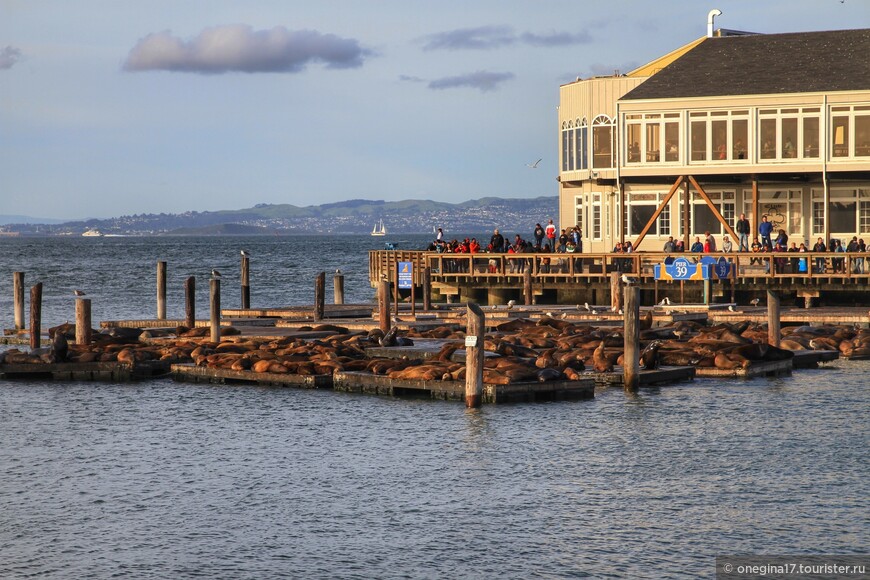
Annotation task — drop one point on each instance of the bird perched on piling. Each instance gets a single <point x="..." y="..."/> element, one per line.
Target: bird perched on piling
<point x="79" y="293"/>
<point x="215" y="274"/>
<point x="246" y="253"/>
<point x="510" y="304"/>
<point x="755" y="301"/>
<point x="337" y="271"/>
<point x="628" y="280"/>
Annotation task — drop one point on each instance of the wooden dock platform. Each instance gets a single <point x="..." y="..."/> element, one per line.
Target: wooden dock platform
<point x="811" y="359"/>
<point x="356" y="382"/>
<point x="774" y="368"/>
<point x="193" y="374"/>
<point x="647" y="378"/>
<point x="92" y="371"/>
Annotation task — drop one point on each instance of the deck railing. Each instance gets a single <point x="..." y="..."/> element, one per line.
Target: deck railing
<point x="555" y="267"/>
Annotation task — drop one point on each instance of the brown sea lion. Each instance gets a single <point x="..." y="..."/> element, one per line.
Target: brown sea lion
<point x="548" y="374"/>
<point x="649" y="358"/>
<point x="600" y="363"/>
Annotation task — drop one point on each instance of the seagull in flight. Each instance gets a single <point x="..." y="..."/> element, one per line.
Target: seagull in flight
<point x="533" y="165"/>
<point x="215" y="274"/>
<point x="79" y="293"/>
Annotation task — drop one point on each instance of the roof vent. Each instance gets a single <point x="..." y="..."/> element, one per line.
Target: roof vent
<point x="710" y="16"/>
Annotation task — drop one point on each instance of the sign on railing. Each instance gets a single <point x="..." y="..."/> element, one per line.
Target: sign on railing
<point x="707" y="268"/>
<point x="406" y="275"/>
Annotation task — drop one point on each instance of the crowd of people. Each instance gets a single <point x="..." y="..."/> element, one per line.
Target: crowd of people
<point x="548" y="239"/>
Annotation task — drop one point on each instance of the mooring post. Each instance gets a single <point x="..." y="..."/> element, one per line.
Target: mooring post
<point x="708" y="291"/>
<point x="35" y="315"/>
<point x="527" y="286"/>
<point x="384" y="305"/>
<point x="215" y="309"/>
<point x="338" y="287"/>
<point x="246" y="281"/>
<point x="427" y="288"/>
<point x="18" y="299"/>
<point x="631" y="352"/>
<point x="83" y="321"/>
<point x="773" y="323"/>
<point x="319" y="295"/>
<point x="474" y="335"/>
<point x="615" y="294"/>
<point x="190" y="302"/>
<point x="161" y="290"/>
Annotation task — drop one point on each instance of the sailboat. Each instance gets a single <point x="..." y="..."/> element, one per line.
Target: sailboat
<point x="379" y="229"/>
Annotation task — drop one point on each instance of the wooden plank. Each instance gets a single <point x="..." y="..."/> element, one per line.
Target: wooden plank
<point x="810" y="359"/>
<point x="647" y="377"/>
<point x="756" y="369"/>
<point x="196" y="374"/>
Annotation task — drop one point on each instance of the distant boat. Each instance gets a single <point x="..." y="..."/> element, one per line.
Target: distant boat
<point x="379" y="229"/>
<point x="93" y="234"/>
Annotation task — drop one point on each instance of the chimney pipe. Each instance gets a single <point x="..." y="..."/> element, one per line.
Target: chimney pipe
<point x="710" y="16"/>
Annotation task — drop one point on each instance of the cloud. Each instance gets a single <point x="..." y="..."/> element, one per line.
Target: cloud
<point x="8" y="57"/>
<point x="481" y="80"/>
<point x="411" y="79"/>
<point x="240" y="48"/>
<point x="488" y="37"/>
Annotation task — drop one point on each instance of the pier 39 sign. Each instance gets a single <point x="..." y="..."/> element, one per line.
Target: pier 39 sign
<point x="707" y="268"/>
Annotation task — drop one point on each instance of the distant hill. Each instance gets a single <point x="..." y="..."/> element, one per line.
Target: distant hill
<point x="356" y="216"/>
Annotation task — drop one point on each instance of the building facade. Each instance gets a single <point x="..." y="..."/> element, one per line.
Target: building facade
<point x="764" y="125"/>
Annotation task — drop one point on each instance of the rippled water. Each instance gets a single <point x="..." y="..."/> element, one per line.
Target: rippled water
<point x="166" y="480"/>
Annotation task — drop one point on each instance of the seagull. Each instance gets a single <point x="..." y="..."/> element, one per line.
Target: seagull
<point x="665" y="301"/>
<point x="79" y="293"/>
<point x="731" y="308"/>
<point x="215" y="274"/>
<point x="493" y="307"/>
<point x="246" y="253"/>
<point x="755" y="301"/>
<point x="614" y="309"/>
<point x="627" y="281"/>
<point x="533" y="165"/>
<point x="549" y="314"/>
<point x="564" y="315"/>
<point x="620" y="311"/>
<point x="337" y="271"/>
<point x="510" y="304"/>
<point x="586" y="306"/>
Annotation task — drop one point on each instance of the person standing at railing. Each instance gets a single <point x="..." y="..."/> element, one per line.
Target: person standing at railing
<point x="820" y="262"/>
<point x="539" y="236"/>
<point x="550" y="230"/>
<point x="727" y="246"/>
<point x="764" y="230"/>
<point x="743" y="228"/>
<point x="697" y="246"/>
<point x="709" y="243"/>
<point x="793" y="261"/>
<point x="670" y="246"/>
<point x="859" y="262"/>
<point x="802" y="263"/>
<point x="837" y="263"/>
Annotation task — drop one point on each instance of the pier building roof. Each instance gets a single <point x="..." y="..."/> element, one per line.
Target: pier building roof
<point x="757" y="64"/>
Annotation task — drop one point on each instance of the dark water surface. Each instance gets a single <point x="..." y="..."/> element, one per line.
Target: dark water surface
<point x="166" y="480"/>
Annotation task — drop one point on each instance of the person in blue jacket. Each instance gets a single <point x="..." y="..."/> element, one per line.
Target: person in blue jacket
<point x="764" y="230"/>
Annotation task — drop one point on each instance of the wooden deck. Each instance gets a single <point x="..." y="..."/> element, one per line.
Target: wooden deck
<point x="193" y="374"/>
<point x="647" y="378"/>
<point x="93" y="371"/>
<point x="774" y="368"/>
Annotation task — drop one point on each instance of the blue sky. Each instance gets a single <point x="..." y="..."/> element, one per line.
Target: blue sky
<point x="113" y="107"/>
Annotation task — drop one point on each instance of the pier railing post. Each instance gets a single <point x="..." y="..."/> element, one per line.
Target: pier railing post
<point x="246" y="282"/>
<point x="190" y="302"/>
<point x="18" y="299"/>
<point x="215" y="309"/>
<point x="773" y="322"/>
<point x="161" y="290"/>
<point x="615" y="293"/>
<point x="527" y="286"/>
<point x="338" y="287"/>
<point x="35" y="315"/>
<point x="631" y="337"/>
<point x="319" y="295"/>
<point x="427" y="288"/>
<point x="384" y="305"/>
<point x="474" y="336"/>
<point x="83" y="321"/>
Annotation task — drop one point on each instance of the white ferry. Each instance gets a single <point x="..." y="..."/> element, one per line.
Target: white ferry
<point x="93" y="234"/>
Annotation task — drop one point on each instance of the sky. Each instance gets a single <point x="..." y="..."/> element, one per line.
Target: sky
<point x="115" y="107"/>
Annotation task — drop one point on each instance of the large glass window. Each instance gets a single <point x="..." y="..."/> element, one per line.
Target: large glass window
<point x="862" y="132"/>
<point x="842" y="216"/>
<point x="602" y="143"/>
<point x="641" y="208"/>
<point x="699" y="140"/>
<point x="574" y="143"/>
<point x="634" y="142"/>
<point x="703" y="218"/>
<point x="790" y="133"/>
<point x="811" y="137"/>
<point x="652" y="138"/>
<point x="840" y="136"/>
<point x="768" y="138"/>
<point x="719" y="135"/>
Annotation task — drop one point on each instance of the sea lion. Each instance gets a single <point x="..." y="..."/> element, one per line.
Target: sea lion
<point x="649" y="358"/>
<point x="549" y="374"/>
<point x="600" y="362"/>
<point x="59" y="347"/>
<point x="389" y="339"/>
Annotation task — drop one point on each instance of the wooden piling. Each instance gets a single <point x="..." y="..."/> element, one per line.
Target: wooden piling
<point x="474" y="335"/>
<point x="215" y="309"/>
<point x="384" y="305"/>
<point x="338" y="287"/>
<point x="83" y="321"/>
<point x="427" y="288"/>
<point x="773" y="322"/>
<point x="246" y="282"/>
<point x="527" y="286"/>
<point x="190" y="302"/>
<point x="18" y="299"/>
<point x="319" y="295"/>
<point x="631" y="352"/>
<point x="615" y="291"/>
<point x="161" y="290"/>
<point x="35" y="315"/>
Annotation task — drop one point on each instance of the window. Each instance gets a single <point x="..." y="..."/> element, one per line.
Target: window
<point x="652" y="138"/>
<point x="578" y="213"/>
<point x="703" y="218"/>
<point x="850" y="131"/>
<point x="818" y="218"/>
<point x="574" y="140"/>
<point x="596" y="216"/>
<point x="719" y="136"/>
<point x="791" y="133"/>
<point x="602" y="143"/>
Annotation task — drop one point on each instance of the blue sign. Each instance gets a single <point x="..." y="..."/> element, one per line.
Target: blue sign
<point x="706" y="268"/>
<point x="723" y="268"/>
<point x="406" y="273"/>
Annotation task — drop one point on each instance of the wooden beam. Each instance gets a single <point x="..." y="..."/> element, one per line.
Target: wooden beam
<point x="658" y="212"/>
<point x="712" y="207"/>
<point x="755" y="217"/>
<point x="687" y="230"/>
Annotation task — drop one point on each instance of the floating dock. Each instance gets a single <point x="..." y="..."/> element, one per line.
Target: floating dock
<point x="193" y="374"/>
<point x="647" y="378"/>
<point x="91" y="371"/>
<point x="773" y="368"/>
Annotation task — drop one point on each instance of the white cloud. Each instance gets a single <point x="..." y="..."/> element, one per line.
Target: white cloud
<point x="240" y="48"/>
<point x="8" y="57"/>
<point x="481" y="80"/>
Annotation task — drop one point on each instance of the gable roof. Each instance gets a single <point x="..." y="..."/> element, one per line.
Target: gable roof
<point x="796" y="62"/>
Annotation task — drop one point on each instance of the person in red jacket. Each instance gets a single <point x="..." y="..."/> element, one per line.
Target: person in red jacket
<point x="550" y="230"/>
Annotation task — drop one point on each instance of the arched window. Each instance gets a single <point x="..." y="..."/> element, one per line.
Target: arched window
<point x="581" y="159"/>
<point x="574" y="145"/>
<point x="603" y="142"/>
